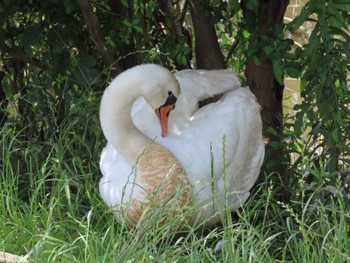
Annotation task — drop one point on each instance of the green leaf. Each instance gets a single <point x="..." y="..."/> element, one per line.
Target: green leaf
<point x="254" y="49"/>
<point x="272" y="131"/>
<point x="126" y="23"/>
<point x="253" y="4"/>
<point x="268" y="49"/>
<point x="298" y="123"/>
<point x="314" y="42"/>
<point x="335" y="135"/>
<point x="337" y="83"/>
<point x="183" y="60"/>
<point x="125" y="3"/>
<point x="277" y="70"/>
<point x="256" y="60"/>
<point x="292" y="72"/>
<point x="290" y="56"/>
<point x="138" y="29"/>
<point x="245" y="34"/>
<point x="300" y="19"/>
<point x="225" y="39"/>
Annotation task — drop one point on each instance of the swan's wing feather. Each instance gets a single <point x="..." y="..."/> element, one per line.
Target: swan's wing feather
<point x="231" y="128"/>
<point x="197" y="85"/>
<point x="118" y="183"/>
<point x="202" y="84"/>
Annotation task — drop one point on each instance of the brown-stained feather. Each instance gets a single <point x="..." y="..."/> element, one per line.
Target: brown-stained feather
<point x="166" y="187"/>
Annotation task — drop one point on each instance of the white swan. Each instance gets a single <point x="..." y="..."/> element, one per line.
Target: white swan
<point x="143" y="170"/>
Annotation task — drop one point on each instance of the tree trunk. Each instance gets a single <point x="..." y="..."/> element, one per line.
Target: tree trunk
<point x="268" y="91"/>
<point x="208" y="53"/>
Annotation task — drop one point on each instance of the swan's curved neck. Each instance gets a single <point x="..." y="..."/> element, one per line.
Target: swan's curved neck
<point x="117" y="124"/>
<point x="160" y="174"/>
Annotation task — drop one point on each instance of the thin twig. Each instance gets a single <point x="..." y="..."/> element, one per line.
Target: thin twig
<point x="232" y="50"/>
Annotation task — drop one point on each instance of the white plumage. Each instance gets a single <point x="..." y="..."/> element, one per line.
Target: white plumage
<point x="203" y="140"/>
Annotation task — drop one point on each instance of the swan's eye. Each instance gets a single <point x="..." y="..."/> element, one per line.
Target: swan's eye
<point x="171" y="100"/>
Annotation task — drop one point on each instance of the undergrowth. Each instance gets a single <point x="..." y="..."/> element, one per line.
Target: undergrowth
<point x="51" y="211"/>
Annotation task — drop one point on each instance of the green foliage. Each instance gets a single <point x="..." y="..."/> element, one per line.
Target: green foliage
<point x="322" y="64"/>
<point x="271" y="45"/>
<point x="143" y="32"/>
<point x="227" y="18"/>
<point x="46" y="63"/>
<point x="325" y="71"/>
<point x="48" y="59"/>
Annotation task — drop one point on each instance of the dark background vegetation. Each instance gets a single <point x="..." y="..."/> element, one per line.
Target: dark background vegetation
<point x="52" y="52"/>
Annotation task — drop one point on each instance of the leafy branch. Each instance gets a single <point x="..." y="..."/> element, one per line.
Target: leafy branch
<point x="95" y="34"/>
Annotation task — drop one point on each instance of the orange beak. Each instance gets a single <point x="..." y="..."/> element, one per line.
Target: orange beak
<point x="163" y="113"/>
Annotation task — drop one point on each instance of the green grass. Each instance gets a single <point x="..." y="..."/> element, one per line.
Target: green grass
<point x="51" y="211"/>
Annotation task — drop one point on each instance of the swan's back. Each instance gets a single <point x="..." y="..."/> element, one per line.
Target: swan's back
<point x="197" y="85"/>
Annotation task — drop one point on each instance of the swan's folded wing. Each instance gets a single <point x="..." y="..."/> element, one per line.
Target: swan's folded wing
<point x="203" y="84"/>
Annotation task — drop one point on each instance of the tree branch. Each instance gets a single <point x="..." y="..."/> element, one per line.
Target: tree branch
<point x="177" y="26"/>
<point x="208" y="53"/>
<point x="184" y="11"/>
<point x="23" y="59"/>
<point x="232" y="50"/>
<point x="91" y="21"/>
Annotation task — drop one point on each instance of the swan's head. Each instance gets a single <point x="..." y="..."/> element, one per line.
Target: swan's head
<point x="156" y="82"/>
<point x="160" y="89"/>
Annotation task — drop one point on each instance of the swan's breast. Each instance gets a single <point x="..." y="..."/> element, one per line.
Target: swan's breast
<point x="165" y="186"/>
